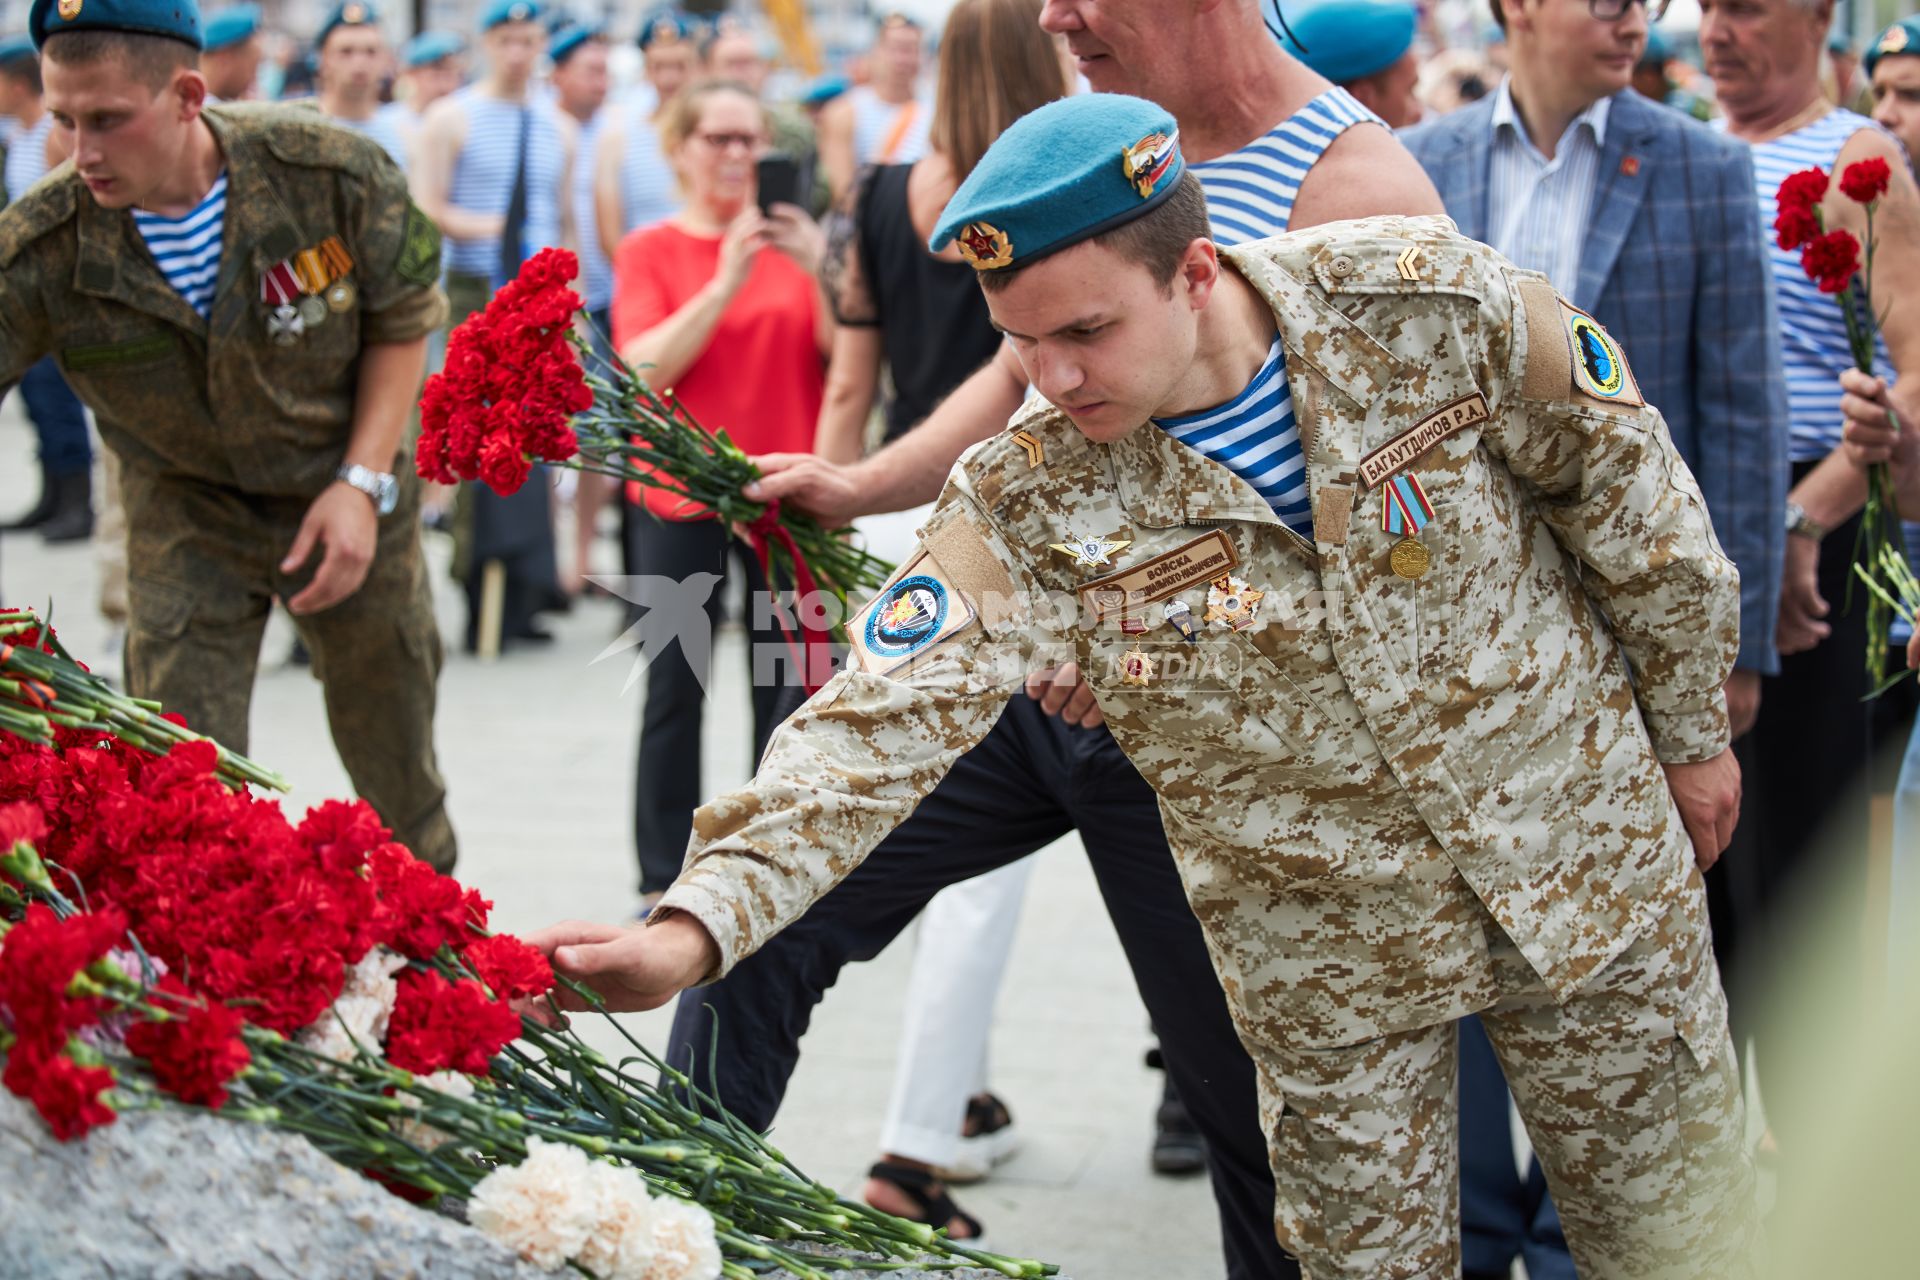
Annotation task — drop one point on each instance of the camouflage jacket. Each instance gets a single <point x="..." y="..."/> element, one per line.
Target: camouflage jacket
<point x="219" y="400"/>
<point x="1351" y="764"/>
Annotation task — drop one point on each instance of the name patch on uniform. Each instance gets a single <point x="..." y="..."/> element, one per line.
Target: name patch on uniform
<point x="1409" y="446"/>
<point x="915" y="612"/>
<point x="1202" y="560"/>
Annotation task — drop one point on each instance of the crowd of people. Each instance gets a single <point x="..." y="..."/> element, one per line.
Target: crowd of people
<point x="813" y="266"/>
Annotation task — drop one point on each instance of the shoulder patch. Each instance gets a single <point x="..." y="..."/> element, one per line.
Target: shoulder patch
<point x="1570" y="356"/>
<point x="919" y="609"/>
<point x="419" y="249"/>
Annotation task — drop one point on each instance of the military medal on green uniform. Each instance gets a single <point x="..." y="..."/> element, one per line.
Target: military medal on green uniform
<point x="1232" y="603"/>
<point x="280" y="289"/>
<point x="1091" y="553"/>
<point x="1405" y="510"/>
<point x="304" y="289"/>
<point x="1136" y="668"/>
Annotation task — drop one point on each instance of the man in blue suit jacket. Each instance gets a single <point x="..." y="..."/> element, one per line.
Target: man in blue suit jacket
<point x="1645" y="219"/>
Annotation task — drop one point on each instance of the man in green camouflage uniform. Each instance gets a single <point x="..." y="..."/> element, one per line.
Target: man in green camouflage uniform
<point x="262" y="439"/>
<point x="1453" y="745"/>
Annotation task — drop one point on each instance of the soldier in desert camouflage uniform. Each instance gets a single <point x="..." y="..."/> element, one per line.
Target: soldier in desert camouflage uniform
<point x="262" y="438"/>
<point x="1453" y="744"/>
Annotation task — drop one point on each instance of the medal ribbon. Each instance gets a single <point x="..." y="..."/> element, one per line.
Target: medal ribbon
<point x="336" y="259"/>
<point x="279" y="286"/>
<point x="1404" y="508"/>
<point x="311" y="270"/>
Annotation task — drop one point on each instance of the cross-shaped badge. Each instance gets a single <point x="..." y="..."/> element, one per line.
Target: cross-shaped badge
<point x="285" y="326"/>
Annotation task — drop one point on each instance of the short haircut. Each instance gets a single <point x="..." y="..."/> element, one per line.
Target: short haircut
<point x="150" y="59"/>
<point x="24" y="67"/>
<point x="1157" y="239"/>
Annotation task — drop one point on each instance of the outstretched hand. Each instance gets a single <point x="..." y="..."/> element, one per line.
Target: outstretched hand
<point x="631" y="968"/>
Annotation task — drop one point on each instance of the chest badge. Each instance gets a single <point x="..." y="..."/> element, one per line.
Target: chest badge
<point x="1232" y="603"/>
<point x="1406" y="510"/>
<point x="1180" y="618"/>
<point x="1091" y="553"/>
<point x="285" y="326"/>
<point x="1136" y="669"/>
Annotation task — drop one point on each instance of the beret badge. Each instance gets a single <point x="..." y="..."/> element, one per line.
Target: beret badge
<point x="69" y="9"/>
<point x="986" y="246"/>
<point x="1895" y="40"/>
<point x="1147" y="161"/>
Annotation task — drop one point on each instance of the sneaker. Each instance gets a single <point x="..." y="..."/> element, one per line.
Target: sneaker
<point x="988" y="1139"/>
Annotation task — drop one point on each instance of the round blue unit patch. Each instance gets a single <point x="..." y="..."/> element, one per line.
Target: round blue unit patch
<point x="908" y="618"/>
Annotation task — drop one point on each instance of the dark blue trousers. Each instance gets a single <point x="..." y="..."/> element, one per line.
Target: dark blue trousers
<point x="1029" y="782"/>
<point x="1502" y="1216"/>
<point x="58" y="419"/>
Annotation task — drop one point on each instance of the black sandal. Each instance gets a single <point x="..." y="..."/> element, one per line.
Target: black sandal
<point x="935" y="1209"/>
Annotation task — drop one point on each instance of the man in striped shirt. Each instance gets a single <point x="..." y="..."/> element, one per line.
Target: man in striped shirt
<point x="242" y="295"/>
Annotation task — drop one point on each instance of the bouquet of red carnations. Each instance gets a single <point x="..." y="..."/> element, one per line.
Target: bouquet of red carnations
<point x="1832" y="259"/>
<point x="170" y="939"/>
<point x="522" y="385"/>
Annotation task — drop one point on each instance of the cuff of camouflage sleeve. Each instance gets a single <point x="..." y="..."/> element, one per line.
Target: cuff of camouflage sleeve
<point x="415" y="315"/>
<point x="718" y="913"/>
<point x="1688" y="737"/>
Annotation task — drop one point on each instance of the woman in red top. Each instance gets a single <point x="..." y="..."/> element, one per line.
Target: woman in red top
<point x="718" y="304"/>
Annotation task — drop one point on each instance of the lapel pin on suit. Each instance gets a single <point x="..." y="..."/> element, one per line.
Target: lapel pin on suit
<point x="1630" y="165"/>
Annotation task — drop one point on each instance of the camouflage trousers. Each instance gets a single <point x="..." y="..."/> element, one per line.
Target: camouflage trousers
<point x="203" y="575"/>
<point x="1630" y="1094"/>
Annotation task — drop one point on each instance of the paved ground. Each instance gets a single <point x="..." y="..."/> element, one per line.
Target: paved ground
<point x="538" y="750"/>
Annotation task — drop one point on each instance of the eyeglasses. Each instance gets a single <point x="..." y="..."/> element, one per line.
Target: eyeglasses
<point x="724" y="141"/>
<point x="1613" y="10"/>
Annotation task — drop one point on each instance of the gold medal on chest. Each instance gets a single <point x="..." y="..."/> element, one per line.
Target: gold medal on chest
<point x="1409" y="558"/>
<point x="1136" y="668"/>
<point x="341" y="295"/>
<point x="1232" y="603"/>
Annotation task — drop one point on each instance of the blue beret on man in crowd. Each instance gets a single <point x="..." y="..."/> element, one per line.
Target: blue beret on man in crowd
<point x="1902" y="37"/>
<point x="669" y="24"/>
<point x="1064" y="173"/>
<point x="501" y="12"/>
<point x="175" y="19"/>
<point x="1348" y="40"/>
<point x="429" y="47"/>
<point x="349" y="13"/>
<point x="570" y="40"/>
<point x="230" y="26"/>
<point x="14" y="48"/>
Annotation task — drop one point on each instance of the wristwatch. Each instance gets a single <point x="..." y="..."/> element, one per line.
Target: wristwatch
<point x="1797" y="522"/>
<point x="381" y="486"/>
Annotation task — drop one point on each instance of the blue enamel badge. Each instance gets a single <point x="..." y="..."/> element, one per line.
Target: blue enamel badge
<point x="908" y="618"/>
<point x="1598" y="368"/>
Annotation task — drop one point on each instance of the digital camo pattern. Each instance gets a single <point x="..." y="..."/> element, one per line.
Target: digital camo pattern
<point x="1384" y="778"/>
<point x="218" y="400"/>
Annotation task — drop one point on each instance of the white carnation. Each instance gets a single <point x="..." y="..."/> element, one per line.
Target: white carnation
<point x="543" y="1208"/>
<point x="425" y="1136"/>
<point x="621" y="1247"/>
<point x="361" y="1013"/>
<point x="684" y="1245"/>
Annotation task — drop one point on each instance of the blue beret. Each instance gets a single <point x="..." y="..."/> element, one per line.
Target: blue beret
<point x="230" y="26"/>
<point x="568" y="42"/>
<point x="501" y="12"/>
<point x="1902" y="37"/>
<point x="429" y="47"/>
<point x="176" y="19"/>
<point x="348" y="13"/>
<point x="825" y="89"/>
<point x="1062" y="174"/>
<point x="669" y="24"/>
<point x="16" y="47"/>
<point x="1347" y="40"/>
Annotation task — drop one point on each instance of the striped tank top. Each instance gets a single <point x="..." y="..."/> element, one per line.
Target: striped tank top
<point x="383" y="129"/>
<point x="596" y="273"/>
<point x="874" y="122"/>
<point x="187" y="249"/>
<point x="483" y="175"/>
<point x="1250" y="195"/>
<point x="27" y="157"/>
<point x="649" y="191"/>
<point x="1813" y="333"/>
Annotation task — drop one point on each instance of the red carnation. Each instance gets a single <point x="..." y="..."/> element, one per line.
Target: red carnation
<point x="19" y="822"/>
<point x="1803" y="190"/>
<point x="510" y="967"/>
<point x="438" y="1024"/>
<point x="343" y="833"/>
<point x="1865" y="181"/>
<point x="66" y="1094"/>
<point x="39" y="959"/>
<point x="195" y="1053"/>
<point x="421" y="910"/>
<point x="1794" y="227"/>
<point x="1831" y="260"/>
